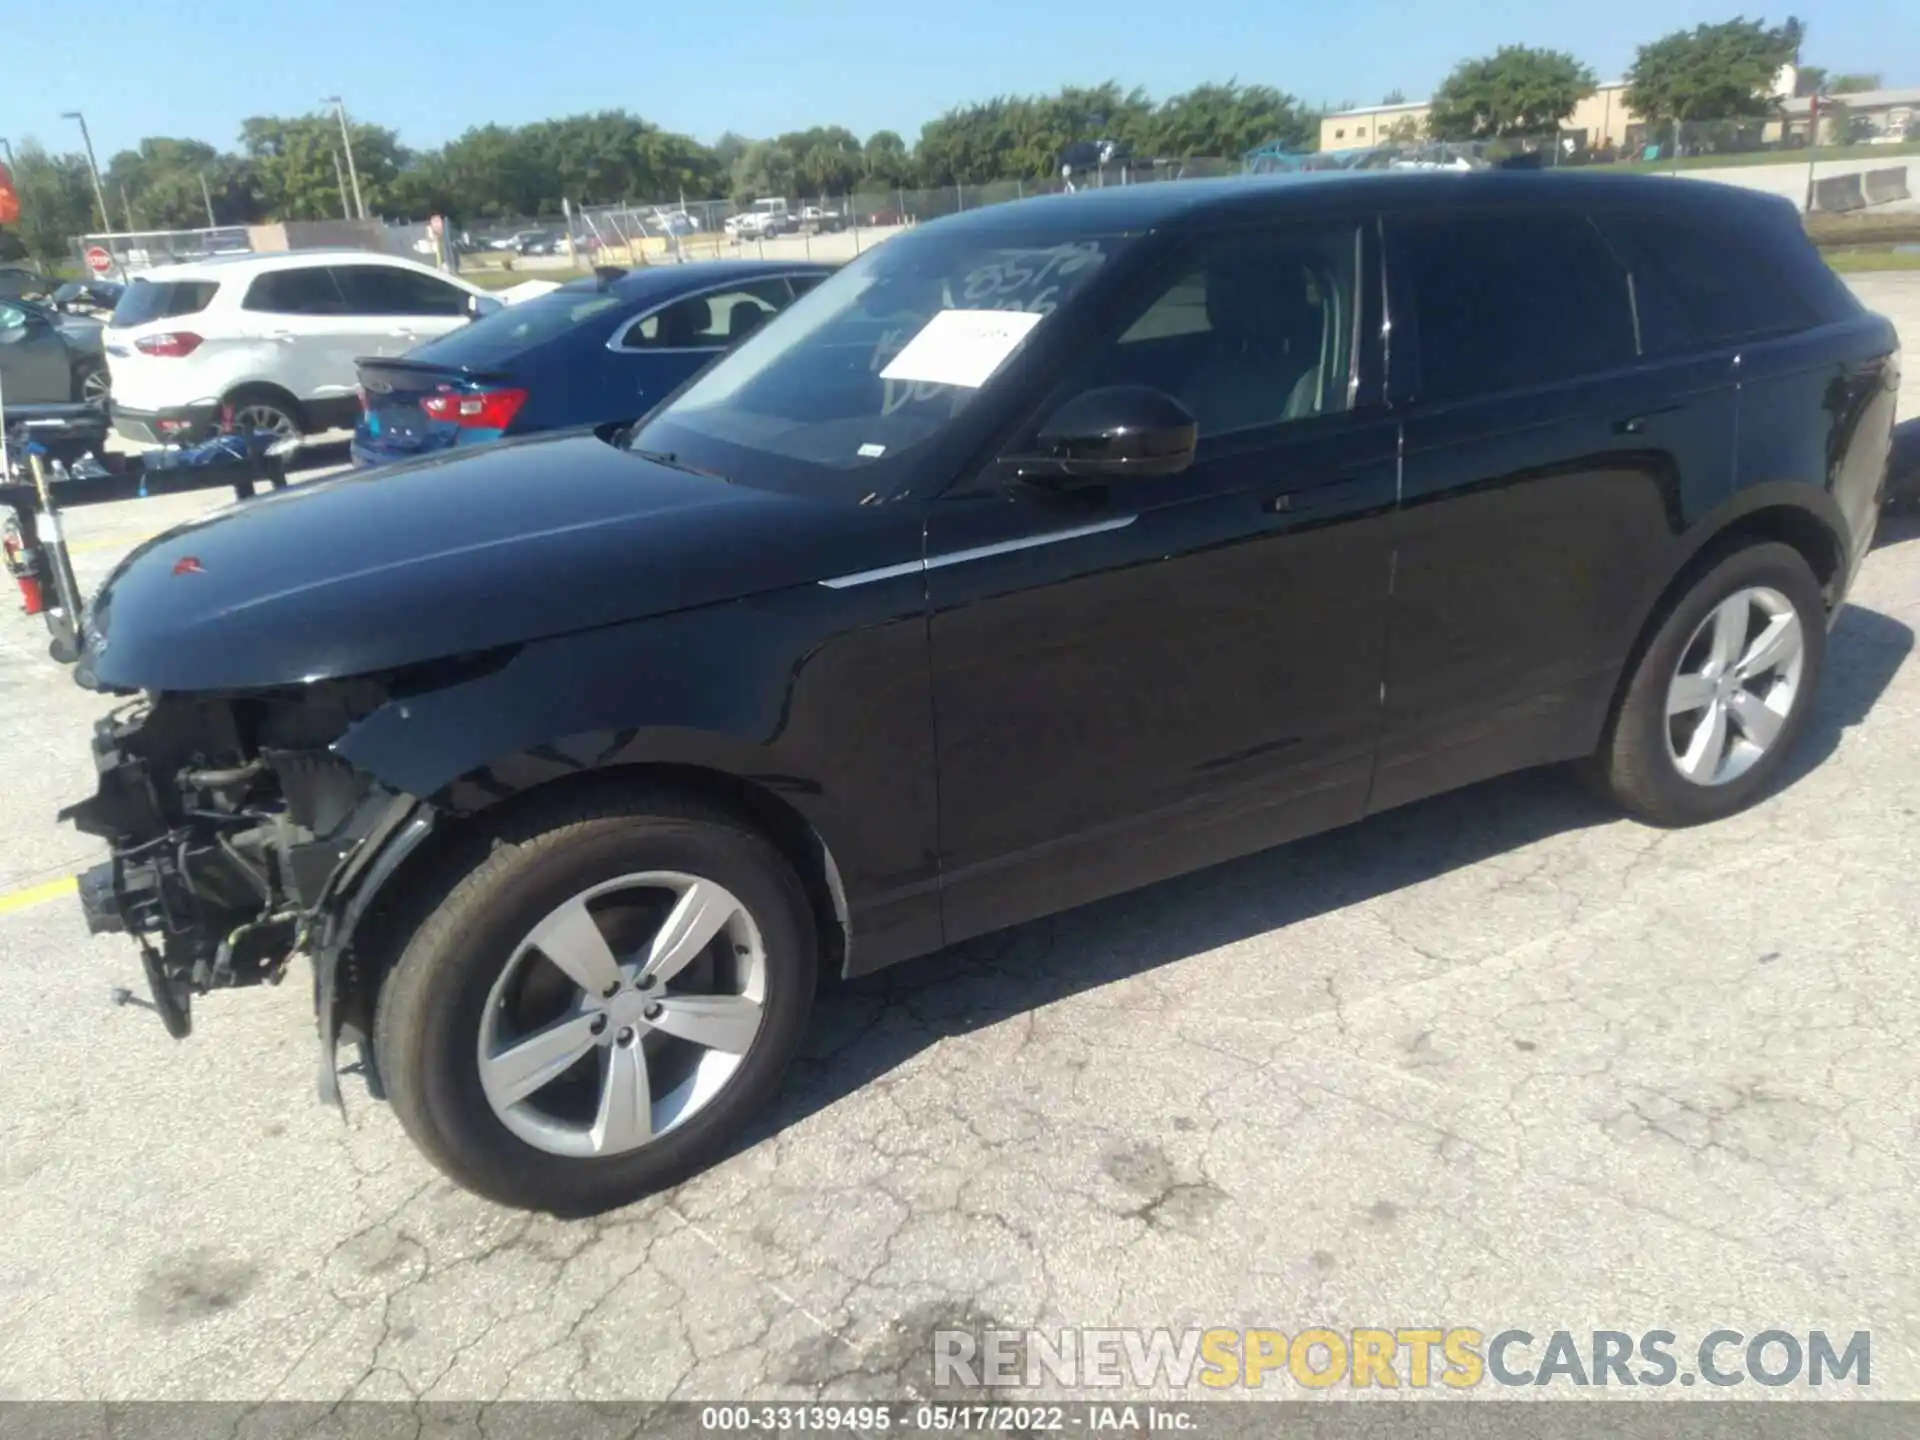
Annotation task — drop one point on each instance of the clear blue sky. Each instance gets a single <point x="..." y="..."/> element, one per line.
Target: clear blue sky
<point x="198" y="67"/>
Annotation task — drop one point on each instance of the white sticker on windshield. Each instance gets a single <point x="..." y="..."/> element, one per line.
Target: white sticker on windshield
<point x="871" y="451"/>
<point x="961" y="347"/>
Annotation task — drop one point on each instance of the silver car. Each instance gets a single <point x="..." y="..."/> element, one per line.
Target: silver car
<point x="47" y="358"/>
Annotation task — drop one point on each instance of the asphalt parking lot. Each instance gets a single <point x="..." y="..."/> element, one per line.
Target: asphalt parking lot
<point x="1497" y="1059"/>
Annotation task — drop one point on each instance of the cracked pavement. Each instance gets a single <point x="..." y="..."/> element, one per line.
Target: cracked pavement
<point x="1501" y="1058"/>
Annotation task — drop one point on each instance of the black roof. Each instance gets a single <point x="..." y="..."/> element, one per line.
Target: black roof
<point x="1163" y="203"/>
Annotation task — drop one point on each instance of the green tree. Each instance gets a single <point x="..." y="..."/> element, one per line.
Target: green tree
<point x="292" y="160"/>
<point x="1517" y="90"/>
<point x="763" y="169"/>
<point x="56" y="201"/>
<point x="1854" y="84"/>
<point x="1394" y="97"/>
<point x="162" y="180"/>
<point x="1227" y="120"/>
<point x="1711" y="72"/>
<point x="884" y="161"/>
<point x="1809" y="80"/>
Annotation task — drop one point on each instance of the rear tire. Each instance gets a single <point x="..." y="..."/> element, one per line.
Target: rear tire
<point x="478" y="985"/>
<point x="264" y="409"/>
<point x="1721" y="693"/>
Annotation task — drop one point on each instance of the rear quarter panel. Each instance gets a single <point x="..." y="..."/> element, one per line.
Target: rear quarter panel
<point x="1818" y="409"/>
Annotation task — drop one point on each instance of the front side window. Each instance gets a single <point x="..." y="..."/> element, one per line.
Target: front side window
<point x="1252" y="331"/>
<point x="868" y="381"/>
<point x="390" y="290"/>
<point x="309" y="290"/>
<point x="1504" y="300"/>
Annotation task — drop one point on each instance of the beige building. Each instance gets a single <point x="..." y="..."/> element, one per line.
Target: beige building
<point x="1600" y="118"/>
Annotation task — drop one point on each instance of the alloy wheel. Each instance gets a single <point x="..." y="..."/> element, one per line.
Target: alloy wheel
<point x="623" y="1014"/>
<point x="94" y="386"/>
<point x="1735" y="686"/>
<point x="264" y="420"/>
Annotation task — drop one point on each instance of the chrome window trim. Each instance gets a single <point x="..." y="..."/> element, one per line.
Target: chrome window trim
<point x="615" y="341"/>
<point x="977" y="552"/>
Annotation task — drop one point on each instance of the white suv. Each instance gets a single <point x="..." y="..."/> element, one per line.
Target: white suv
<point x="272" y="338"/>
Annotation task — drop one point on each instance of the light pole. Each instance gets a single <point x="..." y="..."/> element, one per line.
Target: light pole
<point x="346" y="139"/>
<point x="7" y="145"/>
<point x="93" y="166"/>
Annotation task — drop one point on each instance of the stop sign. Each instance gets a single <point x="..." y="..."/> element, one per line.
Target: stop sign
<point x="98" y="260"/>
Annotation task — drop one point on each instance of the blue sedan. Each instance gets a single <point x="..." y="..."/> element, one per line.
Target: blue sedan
<point x="592" y="351"/>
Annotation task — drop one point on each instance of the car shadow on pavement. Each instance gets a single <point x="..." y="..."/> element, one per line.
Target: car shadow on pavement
<point x="863" y="1029"/>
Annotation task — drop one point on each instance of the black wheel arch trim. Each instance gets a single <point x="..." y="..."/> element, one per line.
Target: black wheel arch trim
<point x="1734" y="516"/>
<point x="396" y="827"/>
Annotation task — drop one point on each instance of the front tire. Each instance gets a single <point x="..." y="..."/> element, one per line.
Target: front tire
<point x="601" y="1006"/>
<point x="1722" y="691"/>
<point x="91" y="383"/>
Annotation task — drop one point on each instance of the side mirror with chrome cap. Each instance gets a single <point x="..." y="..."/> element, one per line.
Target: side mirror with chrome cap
<point x="1117" y="432"/>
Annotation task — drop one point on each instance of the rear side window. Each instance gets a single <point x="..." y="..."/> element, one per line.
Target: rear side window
<point x="1698" y="285"/>
<point x="708" y="322"/>
<point x="306" y="291"/>
<point x="390" y="290"/>
<point x="144" y="301"/>
<point x="1504" y="300"/>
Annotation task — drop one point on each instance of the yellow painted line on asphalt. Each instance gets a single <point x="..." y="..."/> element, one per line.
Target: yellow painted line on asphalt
<point x="37" y="894"/>
<point x="88" y="546"/>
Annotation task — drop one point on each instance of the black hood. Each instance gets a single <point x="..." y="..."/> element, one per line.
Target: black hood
<point x="459" y="553"/>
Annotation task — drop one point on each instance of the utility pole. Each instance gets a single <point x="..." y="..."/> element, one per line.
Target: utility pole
<point x="207" y="196"/>
<point x="7" y="145"/>
<point x="93" y="167"/>
<point x="126" y="208"/>
<point x="346" y="139"/>
<point x="346" y="213"/>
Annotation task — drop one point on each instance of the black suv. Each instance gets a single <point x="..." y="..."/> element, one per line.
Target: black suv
<point x="1042" y="552"/>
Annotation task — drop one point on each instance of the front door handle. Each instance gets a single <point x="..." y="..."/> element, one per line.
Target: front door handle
<point x="1637" y="424"/>
<point x="1303" y="497"/>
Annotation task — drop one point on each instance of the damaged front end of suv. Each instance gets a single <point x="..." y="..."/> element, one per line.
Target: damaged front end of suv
<point x="239" y="838"/>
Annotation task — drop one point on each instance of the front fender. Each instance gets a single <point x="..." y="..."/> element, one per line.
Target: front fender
<point x="820" y="696"/>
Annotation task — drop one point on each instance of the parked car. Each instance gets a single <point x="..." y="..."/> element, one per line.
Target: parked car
<point x="270" y="339"/>
<point x="826" y="221"/>
<point x="587" y="353"/>
<point x="86" y="297"/>
<point x="541" y="242"/>
<point x="1044" y="551"/>
<point x="47" y="358"/>
<point x="17" y="282"/>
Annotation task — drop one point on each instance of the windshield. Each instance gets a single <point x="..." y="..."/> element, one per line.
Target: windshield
<point x="855" y="385"/>
<point x="509" y="333"/>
